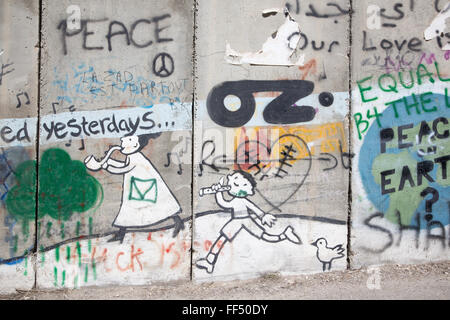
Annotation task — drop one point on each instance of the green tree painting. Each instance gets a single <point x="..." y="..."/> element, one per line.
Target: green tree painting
<point x="65" y="187"/>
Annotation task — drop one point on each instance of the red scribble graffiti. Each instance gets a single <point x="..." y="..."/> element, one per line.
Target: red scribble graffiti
<point x="176" y="253"/>
<point x="310" y="67"/>
<point x="208" y="245"/>
<point x="133" y="256"/>
<point x="170" y="247"/>
<point x="117" y="262"/>
<point x="186" y="246"/>
<point x="132" y="259"/>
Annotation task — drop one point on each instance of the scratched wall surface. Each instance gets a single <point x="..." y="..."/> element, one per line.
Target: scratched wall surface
<point x="400" y="109"/>
<point x="277" y="161"/>
<point x="19" y="40"/>
<point x="117" y="88"/>
<point x="313" y="139"/>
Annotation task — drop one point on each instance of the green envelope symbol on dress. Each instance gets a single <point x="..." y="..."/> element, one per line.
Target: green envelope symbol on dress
<point x="143" y="190"/>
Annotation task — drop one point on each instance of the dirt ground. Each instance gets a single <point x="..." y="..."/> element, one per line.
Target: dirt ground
<point x="429" y="281"/>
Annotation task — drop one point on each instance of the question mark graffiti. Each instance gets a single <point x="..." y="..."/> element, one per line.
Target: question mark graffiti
<point x="429" y="203"/>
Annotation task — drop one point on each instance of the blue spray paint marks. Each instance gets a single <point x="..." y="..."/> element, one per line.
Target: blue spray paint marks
<point x="370" y="150"/>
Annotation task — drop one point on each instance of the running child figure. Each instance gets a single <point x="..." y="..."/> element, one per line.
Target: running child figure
<point x="240" y="186"/>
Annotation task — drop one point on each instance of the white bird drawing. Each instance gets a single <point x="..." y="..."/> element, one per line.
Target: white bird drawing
<point x="327" y="254"/>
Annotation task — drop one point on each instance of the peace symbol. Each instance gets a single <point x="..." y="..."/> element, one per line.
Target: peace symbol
<point x="163" y="65"/>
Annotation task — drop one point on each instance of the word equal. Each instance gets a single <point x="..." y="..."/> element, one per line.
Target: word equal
<point x="389" y="83"/>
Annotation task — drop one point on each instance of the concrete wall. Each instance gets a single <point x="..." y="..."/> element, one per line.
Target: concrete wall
<point x="19" y="51"/>
<point x="293" y="110"/>
<point x="400" y="198"/>
<point x="125" y="72"/>
<point x="288" y="154"/>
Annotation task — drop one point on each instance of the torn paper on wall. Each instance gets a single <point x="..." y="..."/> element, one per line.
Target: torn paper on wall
<point x="278" y="48"/>
<point x="438" y="26"/>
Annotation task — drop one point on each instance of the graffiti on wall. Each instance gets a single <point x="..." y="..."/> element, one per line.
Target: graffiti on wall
<point x="281" y="152"/>
<point x="403" y="168"/>
<point x="281" y="110"/>
<point x="240" y="185"/>
<point x="403" y="161"/>
<point x="65" y="188"/>
<point x="116" y="30"/>
<point x="146" y="198"/>
<point x="275" y="166"/>
<point x="326" y="254"/>
<point x="85" y="83"/>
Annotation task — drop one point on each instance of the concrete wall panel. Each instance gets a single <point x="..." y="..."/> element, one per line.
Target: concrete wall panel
<point x="289" y="155"/>
<point x="122" y="77"/>
<point x="400" y="211"/>
<point x="19" y="49"/>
